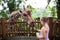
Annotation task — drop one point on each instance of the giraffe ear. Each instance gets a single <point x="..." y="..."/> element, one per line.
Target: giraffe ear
<point x="20" y="11"/>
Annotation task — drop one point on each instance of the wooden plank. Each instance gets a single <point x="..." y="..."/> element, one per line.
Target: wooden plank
<point x="3" y="28"/>
<point x="50" y="22"/>
<point x="59" y="29"/>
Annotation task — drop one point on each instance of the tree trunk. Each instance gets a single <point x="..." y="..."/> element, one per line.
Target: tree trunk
<point x="58" y="15"/>
<point x="58" y="9"/>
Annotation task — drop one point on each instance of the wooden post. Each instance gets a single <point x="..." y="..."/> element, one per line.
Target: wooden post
<point x="3" y="28"/>
<point x="59" y="30"/>
<point x="50" y="22"/>
<point x="54" y="30"/>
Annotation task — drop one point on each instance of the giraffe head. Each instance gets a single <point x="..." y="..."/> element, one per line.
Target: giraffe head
<point x="26" y="14"/>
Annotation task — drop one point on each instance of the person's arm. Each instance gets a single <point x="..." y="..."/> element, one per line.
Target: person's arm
<point x="38" y="30"/>
<point x="43" y="34"/>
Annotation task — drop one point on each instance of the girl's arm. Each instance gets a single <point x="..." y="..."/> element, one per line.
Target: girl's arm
<point x="38" y="30"/>
<point x="43" y="35"/>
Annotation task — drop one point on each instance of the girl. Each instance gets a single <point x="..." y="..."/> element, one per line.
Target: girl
<point x="44" y="31"/>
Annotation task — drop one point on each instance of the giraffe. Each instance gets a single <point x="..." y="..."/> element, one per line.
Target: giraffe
<point x="25" y="13"/>
<point x="30" y="19"/>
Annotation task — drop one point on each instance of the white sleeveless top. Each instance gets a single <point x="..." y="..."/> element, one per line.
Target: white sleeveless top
<point x="46" y="38"/>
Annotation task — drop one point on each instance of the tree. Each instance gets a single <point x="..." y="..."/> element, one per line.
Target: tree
<point x="58" y="9"/>
<point x="8" y="7"/>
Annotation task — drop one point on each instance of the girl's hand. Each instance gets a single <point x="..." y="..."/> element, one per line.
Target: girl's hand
<point x="38" y="30"/>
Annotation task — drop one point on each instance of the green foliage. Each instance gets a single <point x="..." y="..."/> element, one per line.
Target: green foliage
<point x="14" y="5"/>
<point x="0" y="3"/>
<point x="49" y="8"/>
<point x="30" y="7"/>
<point x="53" y="11"/>
<point x="4" y="15"/>
<point x="38" y="13"/>
<point x="11" y="5"/>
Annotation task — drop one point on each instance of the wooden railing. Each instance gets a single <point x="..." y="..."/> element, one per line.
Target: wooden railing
<point x="9" y="29"/>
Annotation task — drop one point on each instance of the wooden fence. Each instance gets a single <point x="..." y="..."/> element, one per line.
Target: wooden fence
<point x="13" y="29"/>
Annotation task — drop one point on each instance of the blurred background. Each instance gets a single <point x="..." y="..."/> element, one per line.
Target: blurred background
<point x="39" y="8"/>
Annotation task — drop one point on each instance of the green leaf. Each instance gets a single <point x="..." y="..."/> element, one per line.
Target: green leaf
<point x="30" y="7"/>
<point x="4" y="15"/>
